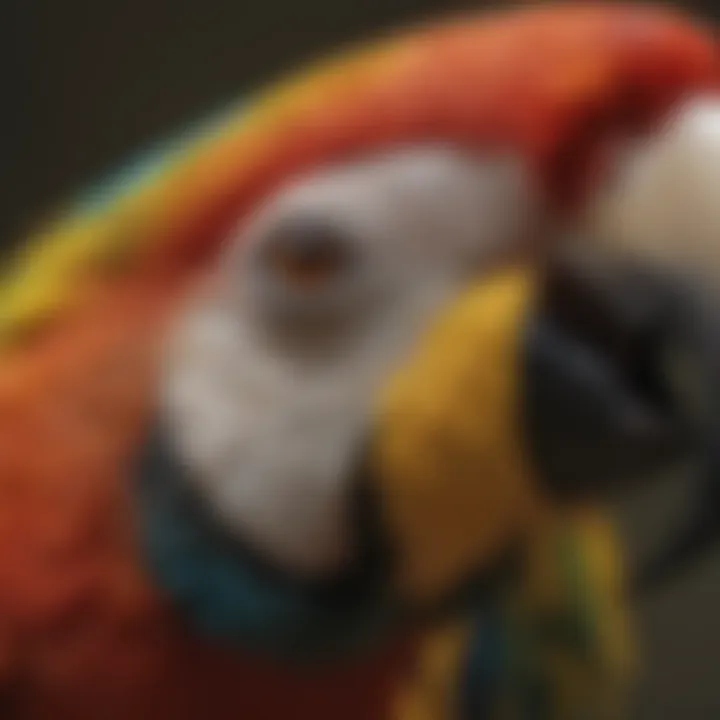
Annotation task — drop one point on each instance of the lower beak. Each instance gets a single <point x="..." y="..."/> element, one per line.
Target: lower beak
<point x="602" y="404"/>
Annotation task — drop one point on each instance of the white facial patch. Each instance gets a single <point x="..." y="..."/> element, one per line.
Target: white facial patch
<point x="420" y="202"/>
<point x="272" y="438"/>
<point x="664" y="205"/>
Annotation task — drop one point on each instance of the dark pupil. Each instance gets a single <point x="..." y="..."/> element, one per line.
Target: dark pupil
<point x="308" y="254"/>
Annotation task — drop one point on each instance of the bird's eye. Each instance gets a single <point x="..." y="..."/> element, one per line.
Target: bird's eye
<point x="307" y="256"/>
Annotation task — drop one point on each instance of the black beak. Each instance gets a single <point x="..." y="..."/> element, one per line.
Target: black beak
<point x="602" y="409"/>
<point x="622" y="381"/>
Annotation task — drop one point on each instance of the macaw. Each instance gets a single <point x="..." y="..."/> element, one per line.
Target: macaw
<point x="308" y="418"/>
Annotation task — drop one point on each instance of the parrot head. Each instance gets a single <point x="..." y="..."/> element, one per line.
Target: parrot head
<point x="366" y="410"/>
<point x="391" y="370"/>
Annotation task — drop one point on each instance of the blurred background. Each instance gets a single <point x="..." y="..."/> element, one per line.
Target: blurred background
<point x="89" y="82"/>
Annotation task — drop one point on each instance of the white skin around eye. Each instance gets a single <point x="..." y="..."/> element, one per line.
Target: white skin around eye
<point x="272" y="440"/>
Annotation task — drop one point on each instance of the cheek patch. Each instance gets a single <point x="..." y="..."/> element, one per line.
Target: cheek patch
<point x="268" y="455"/>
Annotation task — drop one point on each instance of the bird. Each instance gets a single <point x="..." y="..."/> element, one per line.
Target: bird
<point x="312" y="415"/>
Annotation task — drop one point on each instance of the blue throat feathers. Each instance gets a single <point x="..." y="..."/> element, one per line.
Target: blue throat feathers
<point x="229" y="593"/>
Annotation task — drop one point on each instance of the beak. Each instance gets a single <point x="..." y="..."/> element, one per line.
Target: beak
<point x="602" y="403"/>
<point x="622" y="382"/>
<point x="530" y="392"/>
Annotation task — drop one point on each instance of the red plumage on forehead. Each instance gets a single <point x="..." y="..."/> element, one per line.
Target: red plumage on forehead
<point x="554" y="84"/>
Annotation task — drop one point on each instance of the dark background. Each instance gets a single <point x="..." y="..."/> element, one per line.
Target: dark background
<point x="101" y="78"/>
<point x="87" y="82"/>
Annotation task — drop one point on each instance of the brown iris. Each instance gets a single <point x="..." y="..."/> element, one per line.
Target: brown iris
<point x="307" y="256"/>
